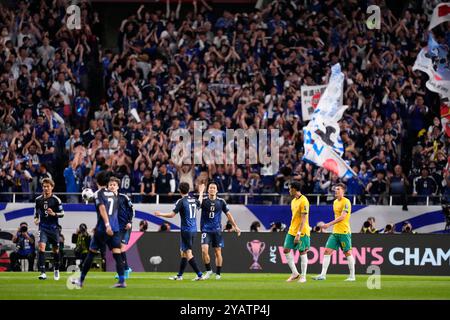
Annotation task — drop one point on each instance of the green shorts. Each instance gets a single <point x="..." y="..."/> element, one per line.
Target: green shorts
<point x="303" y="245"/>
<point x="340" y="240"/>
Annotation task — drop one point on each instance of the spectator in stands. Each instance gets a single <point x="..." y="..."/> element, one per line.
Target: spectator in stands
<point x="398" y="185"/>
<point x="222" y="179"/>
<point x="445" y="187"/>
<point x="424" y="185"/>
<point x="355" y="186"/>
<point x="62" y="88"/>
<point x="41" y="175"/>
<point x="417" y="116"/>
<point x="378" y="188"/>
<point x="6" y="183"/>
<point x="147" y="186"/>
<point x="22" y="180"/>
<point x="72" y="177"/>
<point x="25" y="248"/>
<point x="82" y="105"/>
<point x="164" y="184"/>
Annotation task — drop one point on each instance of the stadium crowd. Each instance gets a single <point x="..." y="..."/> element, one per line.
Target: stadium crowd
<point x="183" y="62"/>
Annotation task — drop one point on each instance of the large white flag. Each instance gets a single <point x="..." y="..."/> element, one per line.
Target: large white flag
<point x="322" y="141"/>
<point x="433" y="61"/>
<point x="440" y="14"/>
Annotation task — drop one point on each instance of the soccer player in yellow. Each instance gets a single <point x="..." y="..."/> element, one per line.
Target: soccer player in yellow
<point x="298" y="235"/>
<point x="342" y="234"/>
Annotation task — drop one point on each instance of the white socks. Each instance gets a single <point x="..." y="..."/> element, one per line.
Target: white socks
<point x="304" y="264"/>
<point x="325" y="264"/>
<point x="291" y="263"/>
<point x="351" y="266"/>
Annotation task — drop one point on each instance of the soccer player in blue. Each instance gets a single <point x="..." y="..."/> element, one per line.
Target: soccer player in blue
<point x="187" y="207"/>
<point x="211" y="227"/>
<point x="106" y="230"/>
<point x="48" y="209"/>
<point x="126" y="214"/>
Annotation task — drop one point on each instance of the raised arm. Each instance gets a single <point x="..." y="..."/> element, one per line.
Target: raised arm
<point x="201" y="190"/>
<point x="177" y="12"/>
<point x="165" y="215"/>
<point x="140" y="11"/>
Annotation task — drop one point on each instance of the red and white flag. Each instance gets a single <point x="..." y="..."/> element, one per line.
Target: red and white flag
<point x="445" y="117"/>
<point x="440" y="14"/>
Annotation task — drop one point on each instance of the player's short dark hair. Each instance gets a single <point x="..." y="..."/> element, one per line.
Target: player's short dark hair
<point x="103" y="178"/>
<point x="48" y="181"/>
<point x="212" y="182"/>
<point x="184" y="187"/>
<point x="342" y="185"/>
<point x="296" y="185"/>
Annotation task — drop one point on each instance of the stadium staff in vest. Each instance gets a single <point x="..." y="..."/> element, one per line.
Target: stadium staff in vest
<point x="369" y="226"/>
<point x="81" y="239"/>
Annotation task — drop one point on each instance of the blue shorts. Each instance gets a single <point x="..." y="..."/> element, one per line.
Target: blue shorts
<point x="125" y="236"/>
<point x="214" y="239"/>
<point x="101" y="239"/>
<point x="49" y="236"/>
<point x="187" y="240"/>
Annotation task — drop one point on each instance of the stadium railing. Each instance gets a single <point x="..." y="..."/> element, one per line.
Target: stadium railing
<point x="250" y="198"/>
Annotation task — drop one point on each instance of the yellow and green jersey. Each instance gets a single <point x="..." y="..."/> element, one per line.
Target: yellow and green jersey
<point x="299" y="206"/>
<point x="338" y="207"/>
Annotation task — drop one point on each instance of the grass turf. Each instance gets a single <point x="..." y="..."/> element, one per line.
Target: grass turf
<point x="156" y="286"/>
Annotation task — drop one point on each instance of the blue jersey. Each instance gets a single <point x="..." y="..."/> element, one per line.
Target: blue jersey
<point x="126" y="211"/>
<point x="187" y="208"/>
<point x="111" y="203"/>
<point x="47" y="221"/>
<point x="125" y="184"/>
<point x="211" y="214"/>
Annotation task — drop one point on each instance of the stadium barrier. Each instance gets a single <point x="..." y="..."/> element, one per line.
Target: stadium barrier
<point x="424" y="219"/>
<point x="396" y="254"/>
<point x="250" y="198"/>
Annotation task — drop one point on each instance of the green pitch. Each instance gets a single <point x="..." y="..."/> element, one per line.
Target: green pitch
<point x="230" y="287"/>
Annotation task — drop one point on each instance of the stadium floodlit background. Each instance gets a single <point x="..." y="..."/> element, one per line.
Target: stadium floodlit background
<point x="109" y="96"/>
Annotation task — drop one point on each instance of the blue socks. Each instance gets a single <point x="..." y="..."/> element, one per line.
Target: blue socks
<point x="86" y="265"/>
<point x="119" y="267"/>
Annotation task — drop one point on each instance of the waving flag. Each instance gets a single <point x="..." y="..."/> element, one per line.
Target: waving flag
<point x="440" y="14"/>
<point x="434" y="62"/>
<point x="322" y="141"/>
<point x="445" y="117"/>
